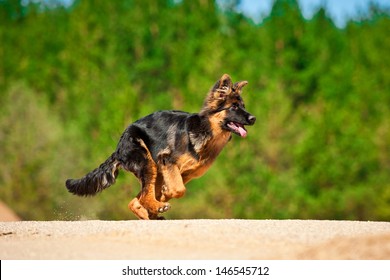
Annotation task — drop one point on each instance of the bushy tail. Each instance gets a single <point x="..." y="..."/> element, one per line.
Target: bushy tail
<point x="96" y="180"/>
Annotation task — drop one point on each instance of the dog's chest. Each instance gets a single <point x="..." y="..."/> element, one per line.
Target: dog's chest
<point x="192" y="167"/>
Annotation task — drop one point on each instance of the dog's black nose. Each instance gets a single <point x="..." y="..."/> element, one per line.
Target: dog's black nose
<point x="251" y="119"/>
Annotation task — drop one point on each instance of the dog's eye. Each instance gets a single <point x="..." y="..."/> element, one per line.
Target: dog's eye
<point x="234" y="107"/>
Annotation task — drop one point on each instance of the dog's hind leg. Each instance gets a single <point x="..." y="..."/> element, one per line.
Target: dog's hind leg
<point x="136" y="158"/>
<point x="141" y="212"/>
<point x="147" y="197"/>
<point x="138" y="210"/>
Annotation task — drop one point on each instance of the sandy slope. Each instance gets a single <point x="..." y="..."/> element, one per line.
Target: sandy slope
<point x="195" y="239"/>
<point x="6" y="214"/>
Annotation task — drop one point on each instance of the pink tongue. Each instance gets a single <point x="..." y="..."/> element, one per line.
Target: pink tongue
<point x="242" y="131"/>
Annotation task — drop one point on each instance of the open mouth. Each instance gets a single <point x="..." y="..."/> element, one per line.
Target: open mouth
<point x="237" y="128"/>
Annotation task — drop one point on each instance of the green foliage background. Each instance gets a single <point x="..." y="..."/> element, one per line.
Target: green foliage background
<point x="72" y="78"/>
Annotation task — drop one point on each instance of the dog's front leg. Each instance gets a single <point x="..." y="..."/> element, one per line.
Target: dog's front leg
<point x="173" y="182"/>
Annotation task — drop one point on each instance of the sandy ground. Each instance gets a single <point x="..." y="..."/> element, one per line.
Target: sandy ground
<point x="195" y="239"/>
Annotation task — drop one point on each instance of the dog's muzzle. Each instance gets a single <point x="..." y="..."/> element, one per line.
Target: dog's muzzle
<point x="251" y="120"/>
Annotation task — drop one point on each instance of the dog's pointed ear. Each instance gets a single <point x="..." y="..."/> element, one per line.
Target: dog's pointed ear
<point x="237" y="87"/>
<point x="222" y="87"/>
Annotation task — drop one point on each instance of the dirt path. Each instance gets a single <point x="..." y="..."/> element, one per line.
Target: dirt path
<point x="195" y="239"/>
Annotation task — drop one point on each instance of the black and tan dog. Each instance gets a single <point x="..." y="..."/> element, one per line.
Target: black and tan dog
<point x="167" y="149"/>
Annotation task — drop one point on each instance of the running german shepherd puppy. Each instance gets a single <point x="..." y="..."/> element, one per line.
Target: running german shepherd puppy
<point x="167" y="149"/>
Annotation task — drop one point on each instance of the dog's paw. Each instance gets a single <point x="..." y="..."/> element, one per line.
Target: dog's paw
<point x="138" y="209"/>
<point x="164" y="208"/>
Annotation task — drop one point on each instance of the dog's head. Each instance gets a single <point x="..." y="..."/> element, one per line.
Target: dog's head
<point x="225" y="104"/>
